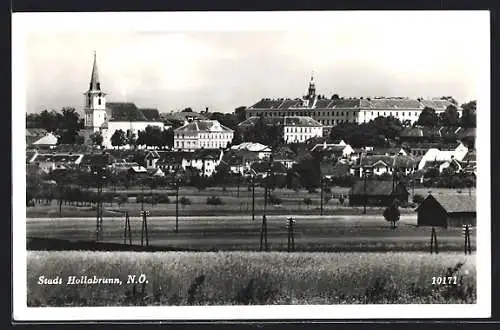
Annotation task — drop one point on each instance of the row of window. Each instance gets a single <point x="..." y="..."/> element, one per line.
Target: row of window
<point x="333" y="113"/>
<point x="299" y="129"/>
<point x="306" y="113"/>
<point x="396" y="113"/>
<point x="206" y="136"/>
<point x="203" y="144"/>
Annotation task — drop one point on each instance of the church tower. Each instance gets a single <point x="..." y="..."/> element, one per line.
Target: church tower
<point x="310" y="98"/>
<point x="95" y="101"/>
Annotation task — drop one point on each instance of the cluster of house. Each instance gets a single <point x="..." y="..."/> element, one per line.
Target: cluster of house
<point x="246" y="159"/>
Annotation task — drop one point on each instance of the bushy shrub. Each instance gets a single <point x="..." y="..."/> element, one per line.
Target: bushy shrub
<point x="274" y="200"/>
<point x="308" y="201"/>
<point x="214" y="200"/>
<point x="184" y="201"/>
<point x="418" y="198"/>
<point x="162" y="199"/>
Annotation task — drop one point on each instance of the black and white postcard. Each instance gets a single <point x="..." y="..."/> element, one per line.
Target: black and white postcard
<point x="251" y="165"/>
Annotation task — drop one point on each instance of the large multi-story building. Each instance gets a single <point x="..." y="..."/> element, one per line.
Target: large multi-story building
<point x="202" y="134"/>
<point x="109" y="117"/>
<point x="334" y="111"/>
<point x="293" y="129"/>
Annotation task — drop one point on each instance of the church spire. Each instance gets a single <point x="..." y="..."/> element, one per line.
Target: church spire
<point x="312" y="88"/>
<point x="95" y="85"/>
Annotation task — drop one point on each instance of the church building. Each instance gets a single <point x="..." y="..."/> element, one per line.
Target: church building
<point x="108" y="117"/>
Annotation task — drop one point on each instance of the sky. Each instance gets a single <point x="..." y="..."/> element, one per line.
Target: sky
<point x="223" y="61"/>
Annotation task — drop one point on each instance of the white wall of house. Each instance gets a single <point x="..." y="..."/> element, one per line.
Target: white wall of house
<point x="294" y="134"/>
<point x="202" y="139"/>
<point x="134" y="126"/>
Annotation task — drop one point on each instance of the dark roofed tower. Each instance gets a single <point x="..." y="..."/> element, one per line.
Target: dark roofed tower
<point x="95" y="101"/>
<point x="310" y="98"/>
<point x="311" y="93"/>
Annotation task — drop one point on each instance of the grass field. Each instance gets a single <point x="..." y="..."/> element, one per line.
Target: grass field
<point x="240" y="278"/>
<point x="230" y="233"/>
<point x="233" y="203"/>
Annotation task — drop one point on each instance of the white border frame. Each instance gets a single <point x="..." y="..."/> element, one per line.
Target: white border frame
<point x="183" y="21"/>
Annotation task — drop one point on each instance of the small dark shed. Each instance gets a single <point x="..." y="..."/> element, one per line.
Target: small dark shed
<point x="378" y="192"/>
<point x="447" y="211"/>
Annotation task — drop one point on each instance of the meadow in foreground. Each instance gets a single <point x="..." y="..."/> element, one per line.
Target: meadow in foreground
<point x="242" y="278"/>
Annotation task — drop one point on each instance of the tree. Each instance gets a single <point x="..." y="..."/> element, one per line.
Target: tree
<point x="240" y="114"/>
<point x="152" y="136"/>
<point x="335" y="97"/>
<point x="131" y="138"/>
<point x="69" y="126"/>
<point x="428" y="117"/>
<point x="389" y="127"/>
<point x="187" y="110"/>
<point x="96" y="138"/>
<point x="392" y="214"/>
<point x="468" y="119"/>
<point x="450" y="117"/>
<point x="118" y="138"/>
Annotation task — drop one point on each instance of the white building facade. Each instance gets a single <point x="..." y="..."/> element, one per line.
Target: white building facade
<point x="202" y="134"/>
<point x="300" y="129"/>
<point x="335" y="111"/>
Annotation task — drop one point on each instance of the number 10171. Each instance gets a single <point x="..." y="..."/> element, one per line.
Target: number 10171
<point x="444" y="280"/>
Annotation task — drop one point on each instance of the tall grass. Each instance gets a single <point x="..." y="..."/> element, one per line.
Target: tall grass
<point x="218" y="278"/>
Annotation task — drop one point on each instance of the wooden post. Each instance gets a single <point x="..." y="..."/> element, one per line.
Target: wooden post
<point x="321" y="194"/>
<point x="467" y="245"/>
<point x="253" y="199"/>
<point x="434" y="242"/>
<point x="263" y="234"/>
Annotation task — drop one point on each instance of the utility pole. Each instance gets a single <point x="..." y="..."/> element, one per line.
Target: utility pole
<point x="365" y="198"/>
<point x="263" y="234"/>
<point x="144" y="229"/>
<point x="291" y="235"/>
<point x="252" y="180"/>
<point x="321" y="194"/>
<point x="142" y="196"/>
<point x="177" y="184"/>
<point x="127" y="230"/>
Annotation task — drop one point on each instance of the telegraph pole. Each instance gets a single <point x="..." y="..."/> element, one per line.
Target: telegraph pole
<point x="291" y="234"/>
<point x="365" y="198"/>
<point x="253" y="197"/>
<point x="177" y="184"/>
<point x="321" y="194"/>
<point x="144" y="229"/>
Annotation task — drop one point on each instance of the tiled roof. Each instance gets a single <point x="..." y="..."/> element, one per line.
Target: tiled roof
<point x="182" y="116"/>
<point x="204" y="126"/>
<point x="151" y="114"/>
<point x="390" y="103"/>
<point x="251" y="146"/>
<point x="48" y="139"/>
<point x="238" y="157"/>
<point x="96" y="159"/>
<point x="376" y="159"/>
<point x="470" y="156"/>
<point x="455" y="203"/>
<point x="57" y="158"/>
<point x="302" y="121"/>
<point x="344" y="103"/>
<point x="373" y="188"/>
<point x="436" y="104"/>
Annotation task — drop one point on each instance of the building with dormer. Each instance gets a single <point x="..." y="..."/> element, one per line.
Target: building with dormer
<point x="202" y="134"/>
<point x="337" y="110"/>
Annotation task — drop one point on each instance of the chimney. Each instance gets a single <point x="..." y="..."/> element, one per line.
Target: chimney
<point x="206" y="110"/>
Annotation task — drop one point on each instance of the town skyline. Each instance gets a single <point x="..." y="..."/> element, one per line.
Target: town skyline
<point x="222" y="70"/>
